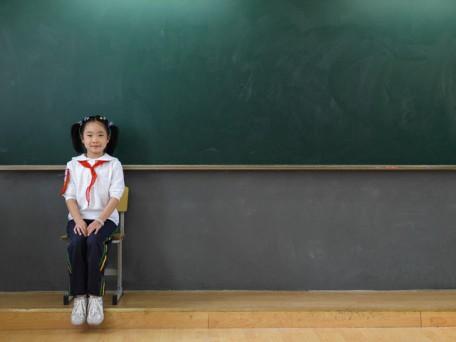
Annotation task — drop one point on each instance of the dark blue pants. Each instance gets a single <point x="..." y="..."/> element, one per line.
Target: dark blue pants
<point x="88" y="258"/>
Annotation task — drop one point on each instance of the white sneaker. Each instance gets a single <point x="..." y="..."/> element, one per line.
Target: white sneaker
<point x="95" y="315"/>
<point x="79" y="313"/>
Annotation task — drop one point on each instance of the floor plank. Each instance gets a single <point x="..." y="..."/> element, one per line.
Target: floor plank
<point x="239" y="335"/>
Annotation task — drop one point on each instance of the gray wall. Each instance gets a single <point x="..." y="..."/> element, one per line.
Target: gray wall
<point x="278" y="230"/>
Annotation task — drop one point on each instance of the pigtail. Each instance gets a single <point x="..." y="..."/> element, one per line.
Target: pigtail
<point x="113" y="138"/>
<point x="76" y="137"/>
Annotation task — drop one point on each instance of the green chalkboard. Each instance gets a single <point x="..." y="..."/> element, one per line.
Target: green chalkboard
<point x="232" y="81"/>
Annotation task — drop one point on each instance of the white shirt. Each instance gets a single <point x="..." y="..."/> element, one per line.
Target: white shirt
<point x="109" y="183"/>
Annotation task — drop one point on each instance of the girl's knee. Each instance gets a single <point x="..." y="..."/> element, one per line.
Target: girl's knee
<point x="77" y="241"/>
<point x="93" y="241"/>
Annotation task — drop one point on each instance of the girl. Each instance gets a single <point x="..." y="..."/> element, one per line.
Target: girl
<point x="93" y="186"/>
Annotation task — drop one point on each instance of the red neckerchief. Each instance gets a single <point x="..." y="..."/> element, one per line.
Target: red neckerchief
<point x="86" y="164"/>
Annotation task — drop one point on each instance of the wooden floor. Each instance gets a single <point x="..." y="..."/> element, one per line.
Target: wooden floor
<point x="250" y="310"/>
<point x="239" y="335"/>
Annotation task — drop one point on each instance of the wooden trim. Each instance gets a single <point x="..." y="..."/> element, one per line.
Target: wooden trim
<point x="131" y="167"/>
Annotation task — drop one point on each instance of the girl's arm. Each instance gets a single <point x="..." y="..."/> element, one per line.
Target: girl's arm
<point x="112" y="204"/>
<point x="80" y="227"/>
<point x="69" y="192"/>
<point x="105" y="214"/>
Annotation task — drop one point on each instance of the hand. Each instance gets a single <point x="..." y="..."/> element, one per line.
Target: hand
<point x="95" y="226"/>
<point x="80" y="228"/>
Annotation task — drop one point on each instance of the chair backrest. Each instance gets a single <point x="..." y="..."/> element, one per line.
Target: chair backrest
<point x="122" y="207"/>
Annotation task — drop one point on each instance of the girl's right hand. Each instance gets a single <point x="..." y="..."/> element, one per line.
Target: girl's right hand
<point x="80" y="228"/>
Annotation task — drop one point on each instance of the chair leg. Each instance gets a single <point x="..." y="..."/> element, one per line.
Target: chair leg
<point x="119" y="292"/>
<point x="67" y="298"/>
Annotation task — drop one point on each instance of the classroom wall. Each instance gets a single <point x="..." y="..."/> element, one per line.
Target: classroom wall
<point x="255" y="230"/>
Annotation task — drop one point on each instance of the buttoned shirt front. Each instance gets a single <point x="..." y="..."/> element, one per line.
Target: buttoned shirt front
<point x="93" y="191"/>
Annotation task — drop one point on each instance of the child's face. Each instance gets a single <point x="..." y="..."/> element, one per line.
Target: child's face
<point x="95" y="139"/>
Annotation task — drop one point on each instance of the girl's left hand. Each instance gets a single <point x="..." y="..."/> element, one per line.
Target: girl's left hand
<point x="95" y="226"/>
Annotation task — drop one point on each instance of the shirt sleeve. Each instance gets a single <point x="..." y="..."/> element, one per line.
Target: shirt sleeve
<point x="69" y="189"/>
<point x="117" y="186"/>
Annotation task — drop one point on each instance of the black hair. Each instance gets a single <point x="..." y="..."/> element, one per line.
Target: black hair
<point x="77" y="130"/>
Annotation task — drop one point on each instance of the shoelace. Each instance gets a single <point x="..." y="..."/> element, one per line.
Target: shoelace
<point x="94" y="308"/>
<point x="80" y="306"/>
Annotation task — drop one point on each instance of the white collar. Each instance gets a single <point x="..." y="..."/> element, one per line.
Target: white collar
<point x="105" y="157"/>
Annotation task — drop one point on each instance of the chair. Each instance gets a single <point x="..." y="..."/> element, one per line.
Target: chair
<point x="117" y="239"/>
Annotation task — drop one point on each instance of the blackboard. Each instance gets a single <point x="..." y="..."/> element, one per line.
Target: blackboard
<point x="232" y="81"/>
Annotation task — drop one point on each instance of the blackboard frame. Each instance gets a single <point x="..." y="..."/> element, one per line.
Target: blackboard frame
<point x="131" y="167"/>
